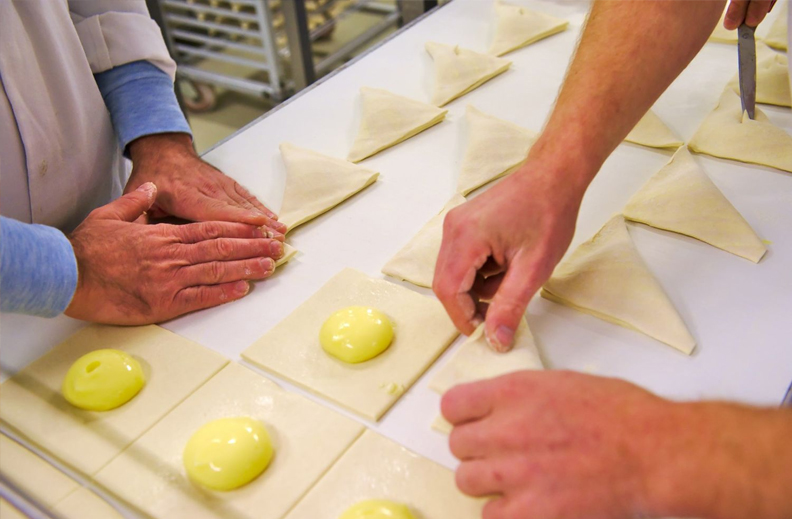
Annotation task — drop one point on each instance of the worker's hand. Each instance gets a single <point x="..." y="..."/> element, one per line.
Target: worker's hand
<point x="190" y="188"/>
<point x="501" y="246"/>
<point x="750" y="12"/>
<point x="137" y="274"/>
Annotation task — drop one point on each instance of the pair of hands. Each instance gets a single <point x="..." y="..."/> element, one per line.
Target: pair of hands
<point x="133" y="273"/>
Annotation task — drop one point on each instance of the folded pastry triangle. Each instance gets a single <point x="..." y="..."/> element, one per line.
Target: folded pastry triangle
<point x="652" y="132"/>
<point x="495" y="149"/>
<point x="289" y="253"/>
<point x="415" y="262"/>
<point x="772" y="77"/>
<point x="730" y="134"/>
<point x="722" y="35"/>
<point x="518" y="27"/>
<point x="389" y="119"/>
<point x="316" y="183"/>
<point x="458" y="71"/>
<point x="681" y="198"/>
<point x="777" y="35"/>
<point x="607" y="278"/>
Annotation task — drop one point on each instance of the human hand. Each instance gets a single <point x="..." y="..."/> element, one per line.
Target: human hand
<point x="500" y="247"/>
<point x="138" y="274"/>
<point x="751" y="12"/>
<point x="189" y="188"/>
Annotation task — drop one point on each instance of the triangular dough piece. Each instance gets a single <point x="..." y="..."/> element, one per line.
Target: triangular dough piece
<point x="772" y="77"/>
<point x="777" y="35"/>
<point x="316" y="183"/>
<point x="495" y="149"/>
<point x="415" y="262"/>
<point x="388" y="119"/>
<point x="289" y="252"/>
<point x="729" y="134"/>
<point x="475" y="360"/>
<point x="681" y="198"/>
<point x="652" y="132"/>
<point x="607" y="278"/>
<point x="518" y="27"/>
<point x="721" y="35"/>
<point x="458" y="71"/>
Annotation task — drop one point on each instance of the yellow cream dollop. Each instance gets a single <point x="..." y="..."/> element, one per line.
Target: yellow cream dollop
<point x="227" y="453"/>
<point x="356" y="334"/>
<point x="103" y="380"/>
<point x="377" y="509"/>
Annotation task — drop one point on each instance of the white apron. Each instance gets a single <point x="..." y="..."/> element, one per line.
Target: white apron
<point x="59" y="156"/>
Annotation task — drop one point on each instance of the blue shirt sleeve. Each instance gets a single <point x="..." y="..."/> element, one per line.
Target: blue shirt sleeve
<point x="141" y="101"/>
<point x="38" y="270"/>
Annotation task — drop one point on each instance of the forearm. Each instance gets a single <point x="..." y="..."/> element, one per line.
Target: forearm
<point x="723" y="461"/>
<point x="629" y="53"/>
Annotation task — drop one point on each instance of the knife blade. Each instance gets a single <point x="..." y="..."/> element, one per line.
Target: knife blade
<point x="746" y="54"/>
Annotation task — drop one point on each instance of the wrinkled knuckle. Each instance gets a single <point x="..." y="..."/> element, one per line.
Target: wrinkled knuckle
<point x="212" y="230"/>
<point x="224" y="249"/>
<point x="216" y="272"/>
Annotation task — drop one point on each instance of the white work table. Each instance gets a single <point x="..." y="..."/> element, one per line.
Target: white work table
<point x="740" y="313"/>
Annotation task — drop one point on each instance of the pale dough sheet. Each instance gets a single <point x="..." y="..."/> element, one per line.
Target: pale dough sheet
<point x="84" y="504"/>
<point x="378" y="468"/>
<point x="777" y="35"/>
<point x="651" y="131"/>
<point x="495" y="149"/>
<point x="32" y="404"/>
<point x="517" y="27"/>
<point x="422" y="331"/>
<point x="606" y="277"/>
<point x="720" y="34"/>
<point x="7" y="511"/>
<point x="442" y="425"/>
<point x="32" y="475"/>
<point x="459" y="71"/>
<point x="681" y="198"/>
<point x="316" y="183"/>
<point x="415" y="262"/>
<point x="772" y="77"/>
<point x="388" y="119"/>
<point x="307" y="437"/>
<point x="289" y="253"/>
<point x="729" y="134"/>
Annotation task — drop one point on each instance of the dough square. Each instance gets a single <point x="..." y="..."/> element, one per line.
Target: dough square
<point x="308" y="438"/>
<point x="292" y="350"/>
<point x="378" y="468"/>
<point x="32" y="404"/>
<point x="7" y="511"/>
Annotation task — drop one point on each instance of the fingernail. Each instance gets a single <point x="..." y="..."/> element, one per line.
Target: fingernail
<point x="502" y="339"/>
<point x="280" y="227"/>
<point x="242" y="288"/>
<point x="149" y="188"/>
<point x="476" y="321"/>
<point x="267" y="264"/>
<point x="276" y="249"/>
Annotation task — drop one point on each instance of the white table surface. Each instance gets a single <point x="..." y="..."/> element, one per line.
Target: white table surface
<point x="740" y="313"/>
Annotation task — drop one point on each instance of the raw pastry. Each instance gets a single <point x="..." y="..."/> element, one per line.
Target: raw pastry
<point x="681" y="198"/>
<point x="729" y="134"/>
<point x="442" y="425"/>
<point x="495" y="149"/>
<point x="772" y="77"/>
<point x="289" y="252"/>
<point x="475" y="360"/>
<point x="32" y="475"/>
<point x="652" y="132"/>
<point x="518" y="27"/>
<point x="378" y="468"/>
<point x="31" y="402"/>
<point x="84" y="504"/>
<point x="458" y="71"/>
<point x="7" y="511"/>
<point x="316" y="183"/>
<point x="777" y="35"/>
<point x="416" y="261"/>
<point x="308" y="438"/>
<point x="292" y="350"/>
<point x="720" y="34"/>
<point x="605" y="277"/>
<point x="388" y="119"/>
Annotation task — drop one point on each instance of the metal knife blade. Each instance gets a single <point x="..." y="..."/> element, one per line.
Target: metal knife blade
<point x="746" y="52"/>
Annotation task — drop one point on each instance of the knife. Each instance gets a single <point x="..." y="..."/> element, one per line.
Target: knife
<point x="746" y="53"/>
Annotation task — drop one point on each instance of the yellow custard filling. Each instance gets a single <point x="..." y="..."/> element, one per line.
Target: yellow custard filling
<point x="356" y="334"/>
<point x="103" y="380"/>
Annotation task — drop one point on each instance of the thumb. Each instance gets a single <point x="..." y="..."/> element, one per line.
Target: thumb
<point x="130" y="206"/>
<point x="507" y="307"/>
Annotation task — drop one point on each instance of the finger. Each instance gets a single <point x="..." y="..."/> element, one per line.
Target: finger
<point x="757" y="10"/>
<point x="230" y="210"/>
<point x="507" y="307"/>
<point x="191" y="299"/>
<point x="735" y="14"/>
<point x="466" y="402"/>
<point x="487" y="477"/>
<point x="227" y="249"/>
<point x="243" y="194"/>
<point x="130" y="206"/>
<point x="198" y="232"/>
<point x="470" y="440"/>
<point x="486" y="288"/>
<point x="218" y="272"/>
<point x="502" y="508"/>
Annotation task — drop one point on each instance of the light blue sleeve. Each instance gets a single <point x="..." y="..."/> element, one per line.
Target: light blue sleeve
<point x="141" y="101"/>
<point x="38" y="270"/>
